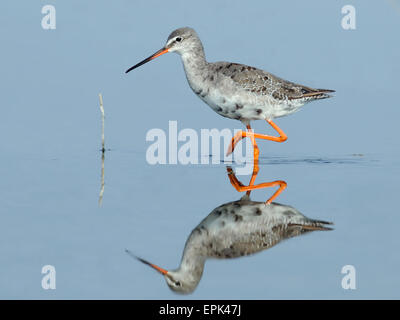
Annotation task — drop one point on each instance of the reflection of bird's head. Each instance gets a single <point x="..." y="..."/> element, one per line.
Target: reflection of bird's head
<point x="177" y="280"/>
<point x="180" y="283"/>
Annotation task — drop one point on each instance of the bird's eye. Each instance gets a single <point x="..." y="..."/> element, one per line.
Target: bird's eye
<point x="179" y="39"/>
<point x="177" y="283"/>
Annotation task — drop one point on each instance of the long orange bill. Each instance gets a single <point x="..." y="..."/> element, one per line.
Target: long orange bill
<point x="155" y="55"/>
<point x="160" y="270"/>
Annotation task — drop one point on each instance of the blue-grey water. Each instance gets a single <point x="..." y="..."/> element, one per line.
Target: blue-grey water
<point x="341" y="161"/>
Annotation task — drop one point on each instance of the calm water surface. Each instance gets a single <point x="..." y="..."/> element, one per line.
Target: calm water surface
<point x="51" y="216"/>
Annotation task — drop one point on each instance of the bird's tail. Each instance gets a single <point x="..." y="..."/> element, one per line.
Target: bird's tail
<point x="318" y="94"/>
<point x="314" y="225"/>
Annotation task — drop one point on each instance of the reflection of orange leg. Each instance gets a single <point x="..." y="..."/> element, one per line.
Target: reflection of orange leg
<point x="241" y="134"/>
<point x="254" y="174"/>
<point x="240" y="187"/>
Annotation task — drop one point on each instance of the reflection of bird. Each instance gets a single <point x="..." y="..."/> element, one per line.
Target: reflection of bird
<point x="233" y="230"/>
<point x="237" y="91"/>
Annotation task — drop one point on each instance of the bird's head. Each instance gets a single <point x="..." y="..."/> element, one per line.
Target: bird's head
<point x="181" y="40"/>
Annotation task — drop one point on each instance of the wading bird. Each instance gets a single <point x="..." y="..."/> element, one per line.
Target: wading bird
<point x="235" y="90"/>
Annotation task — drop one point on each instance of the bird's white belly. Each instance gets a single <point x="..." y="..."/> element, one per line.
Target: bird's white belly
<point x="244" y="107"/>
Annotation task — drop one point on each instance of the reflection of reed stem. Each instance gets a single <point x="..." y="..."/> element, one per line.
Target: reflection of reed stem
<point x="102" y="150"/>
<point x="102" y="180"/>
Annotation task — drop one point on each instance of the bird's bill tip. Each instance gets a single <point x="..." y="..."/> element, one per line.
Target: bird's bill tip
<point x="153" y="56"/>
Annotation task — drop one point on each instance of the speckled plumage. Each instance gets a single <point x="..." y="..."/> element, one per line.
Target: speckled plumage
<point x="238" y="91"/>
<point x="245" y="227"/>
<point x="237" y="229"/>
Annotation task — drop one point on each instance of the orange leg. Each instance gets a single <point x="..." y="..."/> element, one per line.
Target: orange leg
<point x="240" y="187"/>
<point x="241" y="134"/>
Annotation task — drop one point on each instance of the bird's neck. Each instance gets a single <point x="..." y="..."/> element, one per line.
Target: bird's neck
<point x="193" y="259"/>
<point x="194" y="62"/>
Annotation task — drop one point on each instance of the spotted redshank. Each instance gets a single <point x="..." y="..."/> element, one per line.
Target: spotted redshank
<point x="232" y="230"/>
<point x="235" y="90"/>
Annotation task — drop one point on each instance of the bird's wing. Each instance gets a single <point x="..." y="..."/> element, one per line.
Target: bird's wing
<point x="264" y="83"/>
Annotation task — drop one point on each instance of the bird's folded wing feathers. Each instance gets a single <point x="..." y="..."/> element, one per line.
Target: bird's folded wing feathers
<point x="264" y="83"/>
